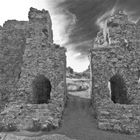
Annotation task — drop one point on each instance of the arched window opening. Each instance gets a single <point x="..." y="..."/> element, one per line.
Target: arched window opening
<point x="41" y="89"/>
<point x="118" y="90"/>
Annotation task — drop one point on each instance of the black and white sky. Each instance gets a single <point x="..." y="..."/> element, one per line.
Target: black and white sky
<point x="75" y="22"/>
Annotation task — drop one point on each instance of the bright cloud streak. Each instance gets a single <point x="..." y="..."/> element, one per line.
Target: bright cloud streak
<point x="61" y="24"/>
<point x="77" y="64"/>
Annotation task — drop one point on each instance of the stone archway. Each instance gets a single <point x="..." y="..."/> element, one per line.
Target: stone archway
<point x="41" y="89"/>
<point x="118" y="89"/>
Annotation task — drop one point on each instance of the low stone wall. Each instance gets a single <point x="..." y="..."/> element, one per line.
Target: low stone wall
<point x="119" y="118"/>
<point x="34" y="117"/>
<point x="116" y="117"/>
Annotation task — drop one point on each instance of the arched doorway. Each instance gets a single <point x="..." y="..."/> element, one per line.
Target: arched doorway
<point x="118" y="90"/>
<point x="41" y="89"/>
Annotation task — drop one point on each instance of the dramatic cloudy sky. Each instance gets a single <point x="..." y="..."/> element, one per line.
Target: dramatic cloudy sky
<point x="74" y="21"/>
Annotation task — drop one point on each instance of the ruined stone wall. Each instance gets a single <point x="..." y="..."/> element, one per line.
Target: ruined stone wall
<point x="117" y="117"/>
<point x="109" y="61"/>
<point x="110" y="116"/>
<point x="116" y="52"/>
<point x="40" y="57"/>
<point x="27" y="50"/>
<point x="12" y="46"/>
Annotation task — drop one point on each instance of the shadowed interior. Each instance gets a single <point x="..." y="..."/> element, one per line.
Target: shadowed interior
<point x="118" y="90"/>
<point x="41" y="89"/>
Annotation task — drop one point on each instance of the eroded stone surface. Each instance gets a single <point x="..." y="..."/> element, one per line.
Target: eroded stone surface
<point x="27" y="50"/>
<point x="34" y="117"/>
<point x="117" y="51"/>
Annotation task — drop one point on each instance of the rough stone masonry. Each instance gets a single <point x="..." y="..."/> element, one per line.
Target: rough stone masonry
<point x="115" y="73"/>
<point x="27" y="51"/>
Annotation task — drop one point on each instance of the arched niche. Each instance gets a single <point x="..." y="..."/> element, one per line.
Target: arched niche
<point x="41" y="89"/>
<point x="118" y="89"/>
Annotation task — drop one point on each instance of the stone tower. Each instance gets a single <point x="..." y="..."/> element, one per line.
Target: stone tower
<point x="41" y="56"/>
<point x="115" y="68"/>
<point x="31" y="65"/>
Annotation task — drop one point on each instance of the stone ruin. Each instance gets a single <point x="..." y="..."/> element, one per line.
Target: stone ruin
<point x="115" y="73"/>
<point x="31" y="65"/>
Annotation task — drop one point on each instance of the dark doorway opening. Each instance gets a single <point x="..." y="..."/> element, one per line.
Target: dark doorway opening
<point x="118" y="90"/>
<point x="41" y="89"/>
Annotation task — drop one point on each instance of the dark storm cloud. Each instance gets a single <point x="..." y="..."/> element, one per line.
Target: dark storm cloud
<point x="87" y="12"/>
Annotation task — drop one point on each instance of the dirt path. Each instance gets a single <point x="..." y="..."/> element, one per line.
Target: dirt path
<point x="79" y="123"/>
